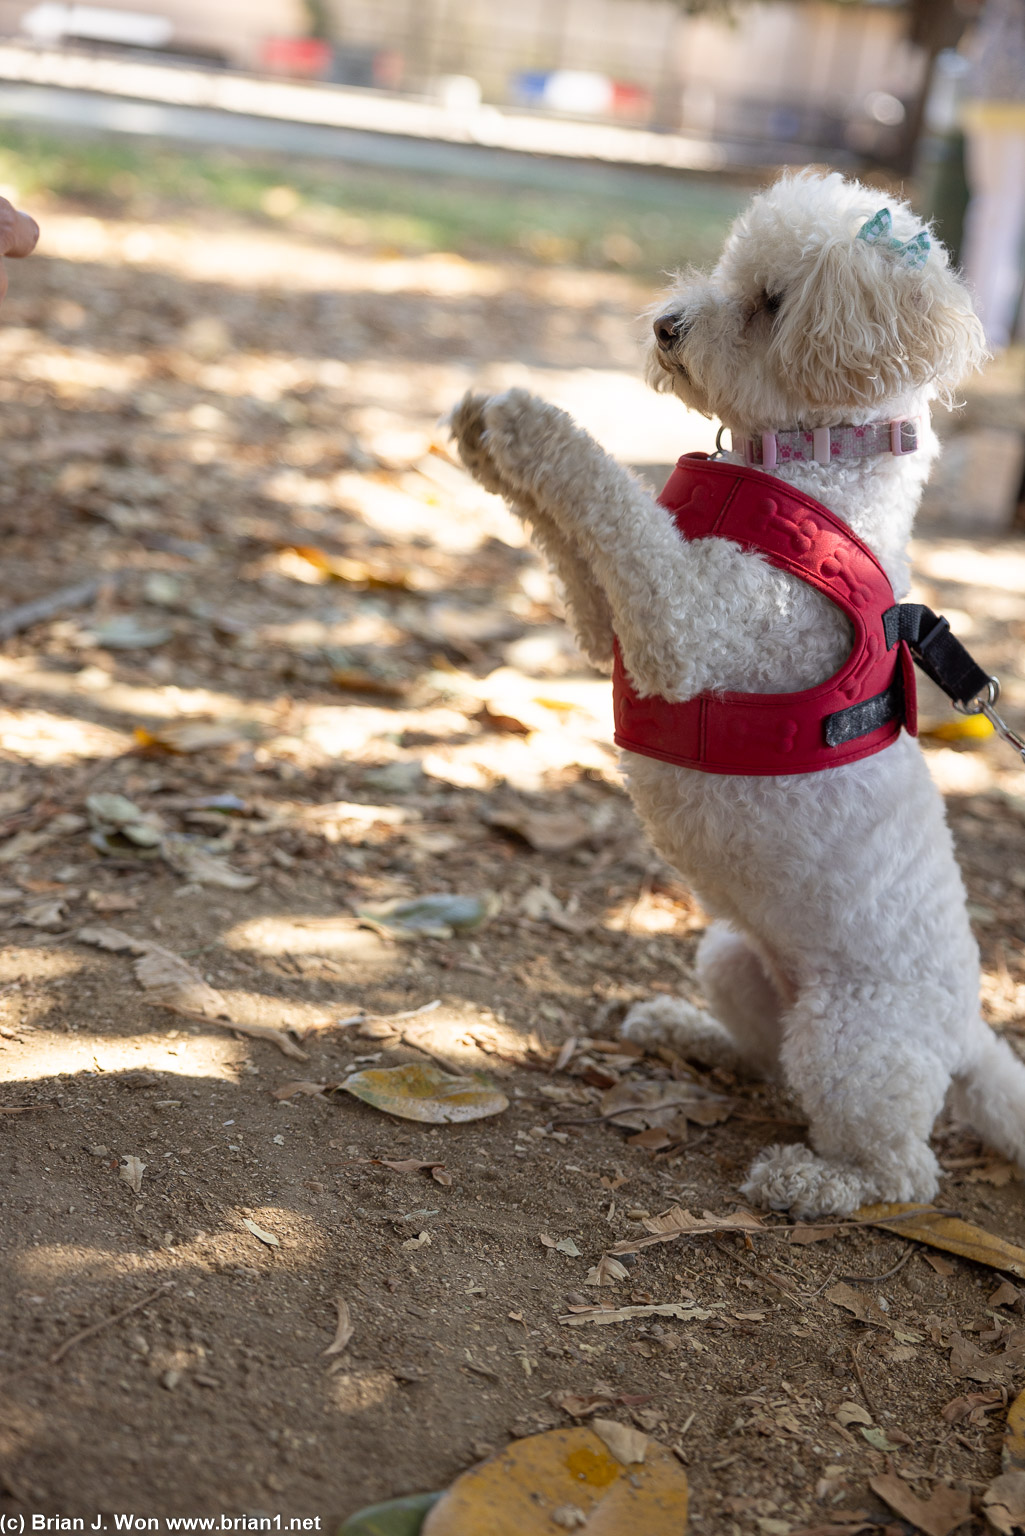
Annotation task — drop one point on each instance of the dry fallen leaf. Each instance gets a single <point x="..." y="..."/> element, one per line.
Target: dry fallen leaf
<point x="676" y="1222"/>
<point x="265" y="1237"/>
<point x="1006" y="1366"/>
<point x="519" y="1491"/>
<point x="546" y="831"/>
<point x="864" y="1306"/>
<point x="186" y="736"/>
<point x="362" y="680"/>
<point x="131" y="1171"/>
<point x="628" y="1445"/>
<point x="170" y="982"/>
<point x="925" y="1224"/>
<point x="111" y="901"/>
<point x="996" y="1171"/>
<point x="641" y="1106"/>
<point x="344" y="1330"/>
<point x="580" y="1405"/>
<point x="201" y="867"/>
<point x="852" y="1413"/>
<point x="1004" y="1503"/>
<point x="405" y="1164"/>
<point x="802" y="1234"/>
<point x="50" y="914"/>
<point x="429" y="917"/>
<point x="973" y="1406"/>
<point x="419" y="1091"/>
<point x="686" y="1314"/>
<point x="354" y="573"/>
<point x="562" y="1245"/>
<point x="938" y="1515"/>
<point x="607" y="1271"/>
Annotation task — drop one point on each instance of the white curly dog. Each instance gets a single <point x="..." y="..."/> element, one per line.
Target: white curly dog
<point x="841" y="958"/>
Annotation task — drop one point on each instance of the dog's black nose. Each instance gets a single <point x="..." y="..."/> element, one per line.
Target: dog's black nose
<point x="669" y="329"/>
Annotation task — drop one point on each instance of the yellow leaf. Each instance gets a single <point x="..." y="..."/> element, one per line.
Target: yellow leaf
<point x="355" y="573"/>
<point x="1013" y="1455"/>
<point x="184" y="736"/>
<point x="925" y="1224"/>
<point x="419" y="1091"/>
<point x="565" y="1479"/>
<point x="964" y="728"/>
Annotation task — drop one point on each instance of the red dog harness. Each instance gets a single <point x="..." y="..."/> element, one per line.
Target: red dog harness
<point x="856" y="712"/>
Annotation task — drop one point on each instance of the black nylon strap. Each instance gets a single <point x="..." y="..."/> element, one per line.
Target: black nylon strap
<point x="936" y="651"/>
<point x="858" y="719"/>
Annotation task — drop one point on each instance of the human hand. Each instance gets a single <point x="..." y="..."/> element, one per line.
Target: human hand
<point x="18" y="236"/>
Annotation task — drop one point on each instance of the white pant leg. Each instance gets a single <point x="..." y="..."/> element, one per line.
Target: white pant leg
<point x="995" y="226"/>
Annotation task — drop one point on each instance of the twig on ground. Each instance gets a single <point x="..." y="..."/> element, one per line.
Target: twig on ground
<point x="79" y="595"/>
<point x="761" y="1273"/>
<point x="887" y="1274"/>
<point x="108" y="1322"/>
<point x="387" y="1018"/>
<point x="869" y="1404"/>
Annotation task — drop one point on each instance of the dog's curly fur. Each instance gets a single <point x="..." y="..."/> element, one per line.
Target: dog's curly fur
<point x="841" y="957"/>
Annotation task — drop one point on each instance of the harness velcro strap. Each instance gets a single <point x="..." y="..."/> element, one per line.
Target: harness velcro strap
<point x="940" y="654"/>
<point x="859" y="719"/>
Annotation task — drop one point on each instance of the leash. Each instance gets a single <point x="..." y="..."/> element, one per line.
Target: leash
<point x="942" y="657"/>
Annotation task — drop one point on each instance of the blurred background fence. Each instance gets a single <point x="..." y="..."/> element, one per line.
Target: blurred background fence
<point x="773" y="82"/>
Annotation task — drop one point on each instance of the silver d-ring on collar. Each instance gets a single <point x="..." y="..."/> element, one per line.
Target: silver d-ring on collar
<point x="719" y="449"/>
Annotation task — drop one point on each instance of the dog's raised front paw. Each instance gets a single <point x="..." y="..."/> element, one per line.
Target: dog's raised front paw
<point x="532" y="442"/>
<point x="689" y="1030"/>
<point x="467" y="425"/>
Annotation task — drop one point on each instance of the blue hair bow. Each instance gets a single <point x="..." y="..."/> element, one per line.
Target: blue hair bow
<point x="878" y="229"/>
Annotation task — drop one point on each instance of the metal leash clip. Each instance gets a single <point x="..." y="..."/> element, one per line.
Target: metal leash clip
<point x="984" y="706"/>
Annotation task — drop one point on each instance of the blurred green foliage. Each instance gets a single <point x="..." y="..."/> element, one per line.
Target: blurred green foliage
<point x="637" y="221"/>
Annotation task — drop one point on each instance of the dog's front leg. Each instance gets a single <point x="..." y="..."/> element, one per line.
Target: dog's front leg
<point x="587" y="606"/>
<point x="535" y="454"/>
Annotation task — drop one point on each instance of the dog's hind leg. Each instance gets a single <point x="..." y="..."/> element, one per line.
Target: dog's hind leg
<point x="871" y="1097"/>
<point x="742" y="1030"/>
<point x="990" y="1093"/>
<point x="742" y="996"/>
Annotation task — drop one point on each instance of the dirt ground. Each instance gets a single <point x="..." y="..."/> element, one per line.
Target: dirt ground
<point x="206" y="424"/>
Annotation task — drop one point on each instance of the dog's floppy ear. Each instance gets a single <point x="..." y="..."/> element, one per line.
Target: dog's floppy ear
<point x="873" y="317"/>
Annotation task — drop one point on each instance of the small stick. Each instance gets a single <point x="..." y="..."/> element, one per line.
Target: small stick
<point x="86" y="1333"/>
<point x="888" y="1274"/>
<point x="257" y="1031"/>
<point x="869" y="1404"/>
<point x="26" y="614"/>
<point x="407" y="1013"/>
<point x="762" y="1275"/>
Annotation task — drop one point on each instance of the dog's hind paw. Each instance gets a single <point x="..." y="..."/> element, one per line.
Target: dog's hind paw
<point x="795" y="1179"/>
<point x="689" y="1030"/>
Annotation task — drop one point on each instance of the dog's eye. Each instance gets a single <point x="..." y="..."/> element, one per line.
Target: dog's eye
<point x="772" y="302"/>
